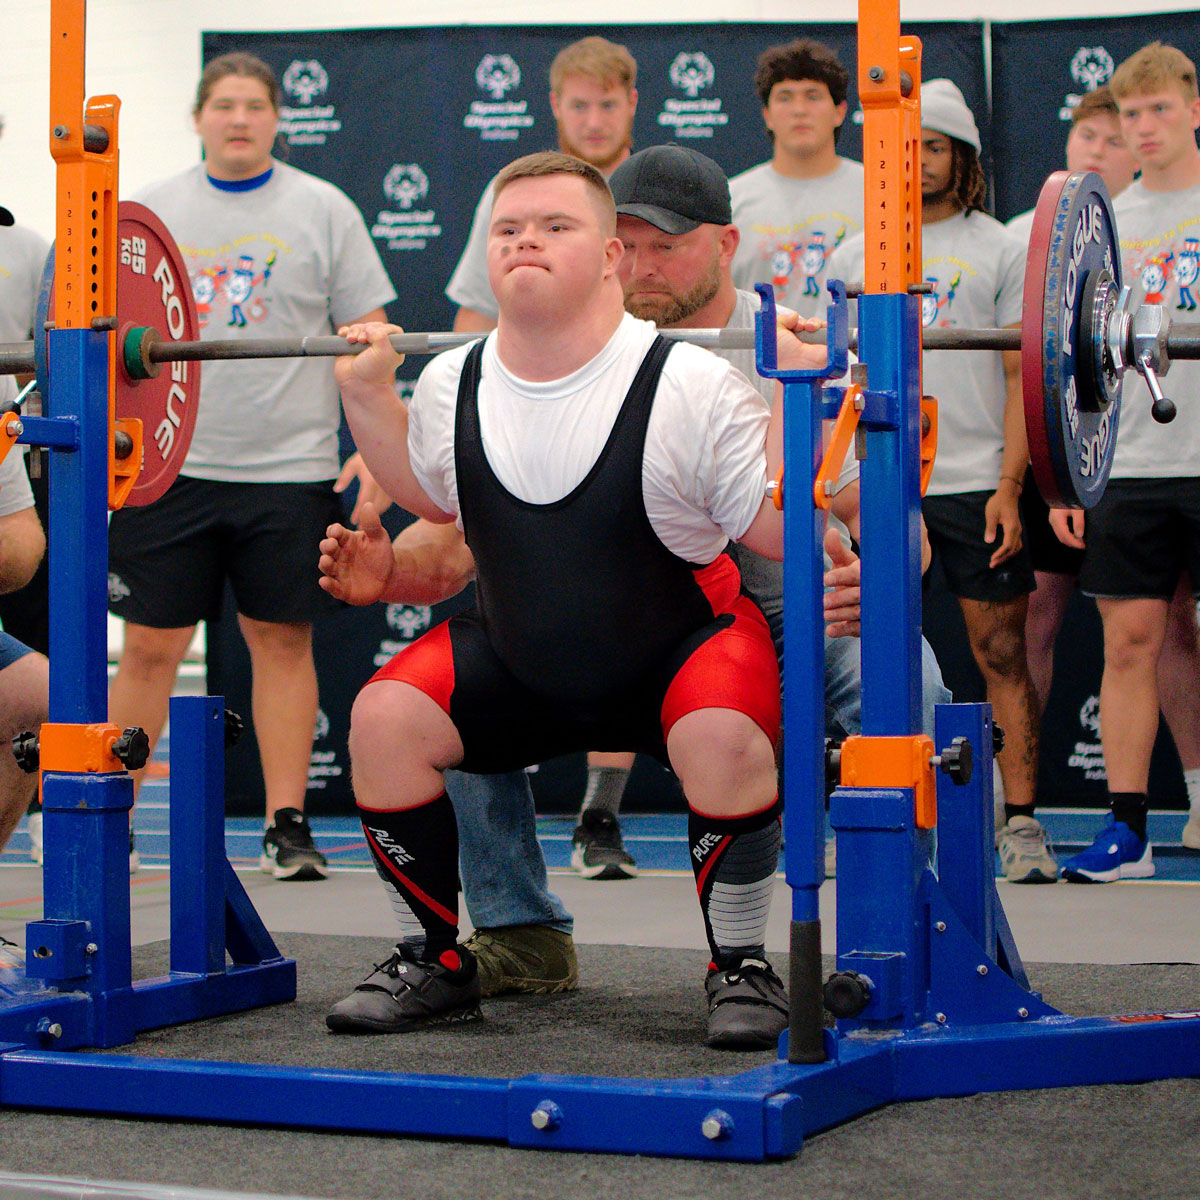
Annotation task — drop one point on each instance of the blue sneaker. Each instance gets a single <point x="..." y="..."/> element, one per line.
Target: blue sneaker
<point x="1117" y="853"/>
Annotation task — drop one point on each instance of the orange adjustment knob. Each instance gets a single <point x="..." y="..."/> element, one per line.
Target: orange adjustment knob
<point x="10" y="430"/>
<point x="894" y="762"/>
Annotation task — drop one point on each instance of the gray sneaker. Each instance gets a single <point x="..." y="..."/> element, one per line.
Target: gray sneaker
<point x="534" y="960"/>
<point x="404" y="993"/>
<point x="1025" y="852"/>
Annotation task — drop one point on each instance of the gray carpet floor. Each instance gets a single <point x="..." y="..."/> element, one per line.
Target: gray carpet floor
<point x="640" y="1012"/>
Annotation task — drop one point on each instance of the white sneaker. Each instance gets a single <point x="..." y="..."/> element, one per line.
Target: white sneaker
<point x="12" y="956"/>
<point x="35" y="836"/>
<point x="1191" y="831"/>
<point x="1025" y="854"/>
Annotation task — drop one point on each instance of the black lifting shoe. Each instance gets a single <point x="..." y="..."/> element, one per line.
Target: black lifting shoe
<point x="406" y="992"/>
<point x="747" y="1006"/>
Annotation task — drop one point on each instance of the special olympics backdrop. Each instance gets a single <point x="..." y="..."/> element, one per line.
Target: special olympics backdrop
<point x="413" y="123"/>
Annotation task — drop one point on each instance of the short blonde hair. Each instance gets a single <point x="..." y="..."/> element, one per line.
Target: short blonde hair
<point x="553" y="162"/>
<point x="1097" y="103"/>
<point x="608" y="63"/>
<point x="1154" y="68"/>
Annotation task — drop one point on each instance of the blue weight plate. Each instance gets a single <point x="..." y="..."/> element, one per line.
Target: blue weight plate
<point x="1072" y="439"/>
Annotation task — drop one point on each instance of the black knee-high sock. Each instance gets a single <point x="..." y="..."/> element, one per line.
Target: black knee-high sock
<point x="734" y="860"/>
<point x="1131" y="807"/>
<point x="416" y="855"/>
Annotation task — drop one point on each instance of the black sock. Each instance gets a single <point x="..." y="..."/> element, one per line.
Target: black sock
<point x="1130" y="807"/>
<point x="734" y="860"/>
<point x="1017" y="810"/>
<point x="415" y="852"/>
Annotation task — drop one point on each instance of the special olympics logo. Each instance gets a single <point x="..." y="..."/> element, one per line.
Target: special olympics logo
<point x="1089" y="714"/>
<point x="408" y="620"/>
<point x="497" y="74"/>
<point x="692" y="73"/>
<point x="405" y="183"/>
<point x="321" y="728"/>
<point x="1091" y="67"/>
<point x="305" y="80"/>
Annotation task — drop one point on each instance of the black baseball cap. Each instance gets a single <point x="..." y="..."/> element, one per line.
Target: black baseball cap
<point x="673" y="187"/>
<point x="6" y="218"/>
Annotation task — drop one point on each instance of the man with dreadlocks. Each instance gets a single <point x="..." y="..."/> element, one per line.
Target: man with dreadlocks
<point x="975" y="268"/>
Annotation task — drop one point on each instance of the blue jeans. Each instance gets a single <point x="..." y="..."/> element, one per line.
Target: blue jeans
<point x="503" y="871"/>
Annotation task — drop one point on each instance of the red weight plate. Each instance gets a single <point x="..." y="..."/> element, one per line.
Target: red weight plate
<point x="1072" y="414"/>
<point x="1032" y="333"/>
<point x="153" y="290"/>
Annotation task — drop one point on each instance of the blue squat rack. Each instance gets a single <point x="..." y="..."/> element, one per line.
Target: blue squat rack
<point x="933" y="992"/>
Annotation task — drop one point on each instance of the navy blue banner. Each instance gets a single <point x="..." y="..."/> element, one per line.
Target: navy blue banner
<point x="1039" y="71"/>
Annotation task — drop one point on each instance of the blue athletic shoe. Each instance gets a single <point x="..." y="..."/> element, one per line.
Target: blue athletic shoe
<point x="1117" y="853"/>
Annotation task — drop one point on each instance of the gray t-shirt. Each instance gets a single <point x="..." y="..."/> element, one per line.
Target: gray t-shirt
<point x="977" y="270"/>
<point x="291" y="258"/>
<point x="469" y="286"/>
<point x="22" y="258"/>
<point x="1021" y="226"/>
<point x="790" y="227"/>
<point x="1160" y="259"/>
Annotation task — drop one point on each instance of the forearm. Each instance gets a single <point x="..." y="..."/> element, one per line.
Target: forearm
<point x="431" y="563"/>
<point x="1016" y="444"/>
<point x="378" y="421"/>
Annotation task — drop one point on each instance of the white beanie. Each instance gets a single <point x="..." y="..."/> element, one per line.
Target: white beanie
<point x="944" y="110"/>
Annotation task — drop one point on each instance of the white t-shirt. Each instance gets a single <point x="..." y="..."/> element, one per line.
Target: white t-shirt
<point x="22" y="259"/>
<point x="1021" y="226"/>
<point x="1160" y="258"/>
<point x="469" y="286"/>
<point x="977" y="270"/>
<point x="287" y="259"/>
<point x="704" y="468"/>
<point x="790" y="227"/>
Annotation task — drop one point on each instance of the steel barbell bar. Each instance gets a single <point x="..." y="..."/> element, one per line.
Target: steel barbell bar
<point x="1183" y="342"/>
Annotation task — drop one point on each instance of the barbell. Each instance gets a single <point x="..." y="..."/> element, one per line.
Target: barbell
<point x="1078" y="338"/>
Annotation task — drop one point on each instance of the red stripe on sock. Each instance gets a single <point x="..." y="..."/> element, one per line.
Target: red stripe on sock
<point x="437" y="909"/>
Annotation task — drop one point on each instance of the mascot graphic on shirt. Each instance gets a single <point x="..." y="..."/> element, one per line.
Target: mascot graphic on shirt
<point x="240" y="285"/>
<point x="933" y="302"/>
<point x="1155" y="275"/>
<point x="1187" y="270"/>
<point x="813" y="257"/>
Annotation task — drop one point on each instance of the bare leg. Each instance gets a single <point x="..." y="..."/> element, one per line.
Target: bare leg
<point x="1178" y="675"/>
<point x="24" y="700"/>
<point x="1046" y="608"/>
<point x="141" y="689"/>
<point x="1133" y="638"/>
<point x="284" y="703"/>
<point x="725" y="763"/>
<point x="997" y="635"/>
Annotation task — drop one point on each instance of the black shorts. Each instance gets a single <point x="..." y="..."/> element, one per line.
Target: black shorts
<point x="1046" y="552"/>
<point x="956" y="525"/>
<point x="1140" y="536"/>
<point x="168" y="561"/>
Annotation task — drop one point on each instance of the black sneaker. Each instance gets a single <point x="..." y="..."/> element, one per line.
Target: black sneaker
<point x="747" y="1006"/>
<point x="597" y="851"/>
<point x="405" y="993"/>
<point x="288" y="850"/>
